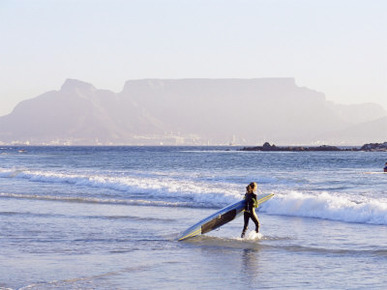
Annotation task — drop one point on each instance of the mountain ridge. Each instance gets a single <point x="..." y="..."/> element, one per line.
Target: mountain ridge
<point x="190" y="112"/>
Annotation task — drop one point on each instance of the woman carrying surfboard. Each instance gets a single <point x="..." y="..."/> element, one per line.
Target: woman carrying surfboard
<point x="251" y="204"/>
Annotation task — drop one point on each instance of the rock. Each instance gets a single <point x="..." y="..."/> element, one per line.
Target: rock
<point x="371" y="147"/>
<point x="268" y="147"/>
<point x="380" y="147"/>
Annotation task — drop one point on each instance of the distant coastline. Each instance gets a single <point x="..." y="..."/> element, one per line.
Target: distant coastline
<point x="370" y="147"/>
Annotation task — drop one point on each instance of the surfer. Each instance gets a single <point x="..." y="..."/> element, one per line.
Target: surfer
<point x="251" y="204"/>
<point x="385" y="167"/>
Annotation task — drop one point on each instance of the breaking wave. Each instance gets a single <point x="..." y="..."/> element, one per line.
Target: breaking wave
<point x="165" y="190"/>
<point x="329" y="206"/>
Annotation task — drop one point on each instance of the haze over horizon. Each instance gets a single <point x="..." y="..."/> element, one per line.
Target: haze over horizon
<point x="145" y="113"/>
<point x="334" y="47"/>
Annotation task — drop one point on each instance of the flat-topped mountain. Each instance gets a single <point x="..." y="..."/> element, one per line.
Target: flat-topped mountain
<point x="191" y="112"/>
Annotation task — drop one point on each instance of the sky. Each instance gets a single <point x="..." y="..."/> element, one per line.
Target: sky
<point x="338" y="47"/>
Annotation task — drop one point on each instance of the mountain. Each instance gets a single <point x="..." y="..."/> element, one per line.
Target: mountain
<point x="191" y="111"/>
<point x="359" y="113"/>
<point x="359" y="134"/>
<point x="78" y="113"/>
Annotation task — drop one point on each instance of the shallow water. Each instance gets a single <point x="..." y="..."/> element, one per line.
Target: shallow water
<point x="108" y="217"/>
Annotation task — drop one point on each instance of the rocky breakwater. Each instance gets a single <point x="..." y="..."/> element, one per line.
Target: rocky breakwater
<point x="268" y="147"/>
<point x="381" y="147"/>
<point x="378" y="147"/>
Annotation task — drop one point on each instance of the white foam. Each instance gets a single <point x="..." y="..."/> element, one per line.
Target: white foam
<point x="195" y="193"/>
<point x="329" y="206"/>
<point x="208" y="194"/>
<point x="253" y="235"/>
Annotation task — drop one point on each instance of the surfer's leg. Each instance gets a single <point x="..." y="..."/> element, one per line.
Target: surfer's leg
<point x="246" y="218"/>
<point x="255" y="219"/>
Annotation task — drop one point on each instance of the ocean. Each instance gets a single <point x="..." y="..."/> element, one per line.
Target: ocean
<point x="108" y="218"/>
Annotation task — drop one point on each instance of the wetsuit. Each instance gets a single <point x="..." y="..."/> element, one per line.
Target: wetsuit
<point x="251" y="204"/>
<point x="385" y="168"/>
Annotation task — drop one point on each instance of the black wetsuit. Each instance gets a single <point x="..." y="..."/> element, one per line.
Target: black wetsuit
<point x="250" y="198"/>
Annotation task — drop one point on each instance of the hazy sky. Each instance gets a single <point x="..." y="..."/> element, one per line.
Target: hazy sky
<point x="338" y="47"/>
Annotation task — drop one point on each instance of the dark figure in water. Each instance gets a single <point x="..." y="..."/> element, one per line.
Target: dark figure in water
<point x="251" y="204"/>
<point x="385" y="167"/>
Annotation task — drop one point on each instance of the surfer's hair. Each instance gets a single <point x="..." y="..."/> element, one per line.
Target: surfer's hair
<point x="252" y="187"/>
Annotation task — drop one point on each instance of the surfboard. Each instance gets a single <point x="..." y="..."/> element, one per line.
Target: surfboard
<point x="376" y="172"/>
<point x="220" y="218"/>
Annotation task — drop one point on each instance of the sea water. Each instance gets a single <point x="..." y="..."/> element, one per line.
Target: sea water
<point x="108" y="217"/>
